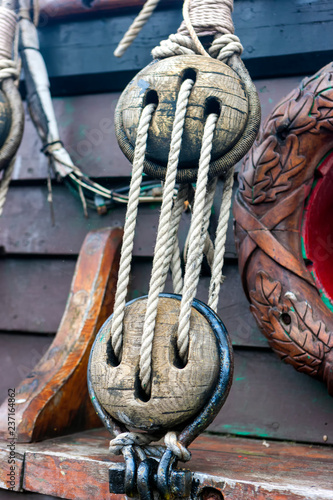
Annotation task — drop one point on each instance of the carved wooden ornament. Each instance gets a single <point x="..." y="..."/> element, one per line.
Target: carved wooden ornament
<point x="284" y="229"/>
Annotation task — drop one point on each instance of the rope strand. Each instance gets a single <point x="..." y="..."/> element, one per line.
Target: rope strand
<point x="220" y="240"/>
<point x="136" y="27"/>
<point x="129" y="229"/>
<point x="198" y="229"/>
<point x="156" y="282"/>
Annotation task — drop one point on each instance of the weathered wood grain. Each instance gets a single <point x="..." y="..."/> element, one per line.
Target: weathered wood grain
<point x="268" y="399"/>
<point x="86" y="126"/>
<point x="5" y="481"/>
<point x="34" y="292"/>
<point x="77" y="467"/>
<point x="175" y="393"/>
<point x="57" y="385"/>
<point x="216" y="88"/>
<point x="10" y="495"/>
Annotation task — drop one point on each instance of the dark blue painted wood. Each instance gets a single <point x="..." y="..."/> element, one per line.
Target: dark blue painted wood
<point x="281" y="37"/>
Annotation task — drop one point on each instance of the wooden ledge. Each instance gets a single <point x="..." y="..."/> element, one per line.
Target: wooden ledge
<point x="77" y="466"/>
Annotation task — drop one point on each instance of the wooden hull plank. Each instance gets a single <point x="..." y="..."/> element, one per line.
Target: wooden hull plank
<point x="86" y="125"/>
<point x="34" y="294"/>
<point x="267" y="399"/>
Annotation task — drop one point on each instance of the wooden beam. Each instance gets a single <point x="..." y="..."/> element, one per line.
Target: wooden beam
<point x="280" y="38"/>
<point x="77" y="467"/>
<point x="57" y="385"/>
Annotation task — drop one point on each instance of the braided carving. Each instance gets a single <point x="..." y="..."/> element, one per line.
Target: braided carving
<point x="275" y="181"/>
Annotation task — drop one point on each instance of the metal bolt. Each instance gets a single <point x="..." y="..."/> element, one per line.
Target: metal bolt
<point x="211" y="494"/>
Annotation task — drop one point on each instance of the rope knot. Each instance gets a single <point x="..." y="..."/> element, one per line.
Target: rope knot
<point x="128" y="439"/>
<point x="225" y="46"/>
<point x="8" y="69"/>
<point x="172" y="443"/>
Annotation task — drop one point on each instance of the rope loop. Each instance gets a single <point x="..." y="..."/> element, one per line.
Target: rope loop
<point x="225" y="46"/>
<point x="8" y="69"/>
<point x="141" y="444"/>
<point x="175" y="45"/>
<point x="208" y="18"/>
<point x="179" y="450"/>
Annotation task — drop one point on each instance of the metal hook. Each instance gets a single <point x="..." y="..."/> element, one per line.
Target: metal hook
<point x="130" y="471"/>
<point x="146" y="478"/>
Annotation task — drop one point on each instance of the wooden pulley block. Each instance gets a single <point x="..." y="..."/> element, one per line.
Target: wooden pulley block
<point x="218" y="88"/>
<point x="178" y="393"/>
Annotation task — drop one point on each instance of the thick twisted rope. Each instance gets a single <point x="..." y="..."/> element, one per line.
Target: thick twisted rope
<point x="212" y="17"/>
<point x="136" y="27"/>
<point x="198" y="229"/>
<point x="8" y="69"/>
<point x="172" y="253"/>
<point x="220" y="240"/>
<point x="4" y="184"/>
<point x="129" y="229"/>
<point x="156" y="282"/>
<point x="142" y="441"/>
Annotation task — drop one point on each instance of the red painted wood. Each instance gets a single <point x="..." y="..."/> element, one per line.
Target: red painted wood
<point x="57" y="384"/>
<point x="58" y="9"/>
<point x="77" y="467"/>
<point x="318" y="228"/>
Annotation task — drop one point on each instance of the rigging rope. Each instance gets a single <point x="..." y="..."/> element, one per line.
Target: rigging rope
<point x="8" y="69"/>
<point x="199" y="19"/>
<point x="129" y="229"/>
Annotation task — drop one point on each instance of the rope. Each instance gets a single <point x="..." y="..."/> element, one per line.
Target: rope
<point x="142" y="441"/>
<point x="8" y="69"/>
<point x="156" y="284"/>
<point x="198" y="229"/>
<point x="191" y="30"/>
<point x="213" y="18"/>
<point x="8" y="21"/>
<point x="220" y="240"/>
<point x="208" y="18"/>
<point x="172" y="258"/>
<point x="136" y="27"/>
<point x="4" y="184"/>
<point x="129" y="229"/>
